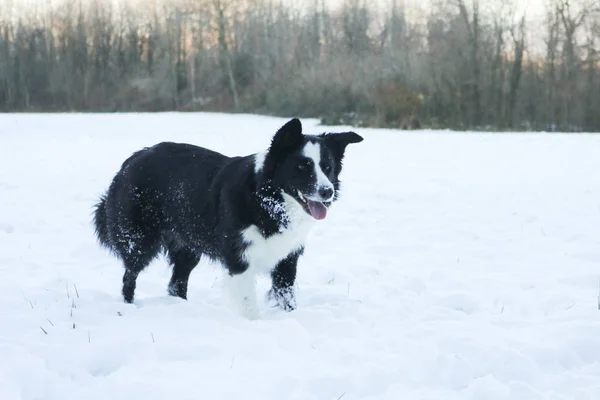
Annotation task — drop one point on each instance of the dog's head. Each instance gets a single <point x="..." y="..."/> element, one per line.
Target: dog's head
<point x="306" y="167"/>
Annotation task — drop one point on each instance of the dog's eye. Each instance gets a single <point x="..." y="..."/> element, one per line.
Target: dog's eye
<point x="327" y="169"/>
<point x="304" y="165"/>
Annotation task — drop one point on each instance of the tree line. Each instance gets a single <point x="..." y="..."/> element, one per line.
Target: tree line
<point x="459" y="64"/>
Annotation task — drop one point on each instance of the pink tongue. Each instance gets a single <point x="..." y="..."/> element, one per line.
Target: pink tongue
<point x="317" y="209"/>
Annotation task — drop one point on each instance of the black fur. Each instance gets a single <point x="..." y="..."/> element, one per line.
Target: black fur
<point x="189" y="202"/>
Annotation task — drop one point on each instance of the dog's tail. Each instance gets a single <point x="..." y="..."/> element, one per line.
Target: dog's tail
<point x="100" y="223"/>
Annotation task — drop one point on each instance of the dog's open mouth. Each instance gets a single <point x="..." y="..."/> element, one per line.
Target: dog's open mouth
<point x="316" y="209"/>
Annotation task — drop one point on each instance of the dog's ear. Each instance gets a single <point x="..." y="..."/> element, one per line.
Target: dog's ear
<point x="345" y="138"/>
<point x="288" y="136"/>
<point x="337" y="142"/>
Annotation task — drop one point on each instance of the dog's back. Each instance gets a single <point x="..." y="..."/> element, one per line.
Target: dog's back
<point x="158" y="188"/>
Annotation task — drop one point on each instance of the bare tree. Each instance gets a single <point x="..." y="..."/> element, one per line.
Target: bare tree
<point x="517" y="34"/>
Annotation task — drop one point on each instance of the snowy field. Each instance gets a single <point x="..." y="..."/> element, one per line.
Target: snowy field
<point x="455" y="266"/>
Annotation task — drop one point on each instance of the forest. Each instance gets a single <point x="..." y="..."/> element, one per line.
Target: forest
<point x="455" y="64"/>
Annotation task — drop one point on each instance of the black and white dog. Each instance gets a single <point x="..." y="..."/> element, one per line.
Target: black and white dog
<point x="250" y="213"/>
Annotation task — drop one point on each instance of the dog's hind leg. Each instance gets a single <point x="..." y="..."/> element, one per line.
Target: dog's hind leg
<point x="137" y="252"/>
<point x="129" y="283"/>
<point x="183" y="260"/>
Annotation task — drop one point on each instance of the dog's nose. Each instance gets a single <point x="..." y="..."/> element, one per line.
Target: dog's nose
<point x="325" y="192"/>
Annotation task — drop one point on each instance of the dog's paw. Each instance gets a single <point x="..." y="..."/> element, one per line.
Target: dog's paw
<point x="283" y="298"/>
<point x="251" y="314"/>
<point x="246" y="307"/>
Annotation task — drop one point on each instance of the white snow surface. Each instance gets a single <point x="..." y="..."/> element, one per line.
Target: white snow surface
<point x="454" y="266"/>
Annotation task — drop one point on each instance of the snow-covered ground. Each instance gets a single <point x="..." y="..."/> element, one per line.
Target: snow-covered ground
<point x="455" y="266"/>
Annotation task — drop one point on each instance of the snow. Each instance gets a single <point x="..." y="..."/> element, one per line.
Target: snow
<point x="454" y="266"/>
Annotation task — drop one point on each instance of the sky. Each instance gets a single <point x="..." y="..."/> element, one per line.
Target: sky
<point x="533" y="7"/>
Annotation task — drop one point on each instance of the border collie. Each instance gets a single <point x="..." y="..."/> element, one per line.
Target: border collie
<point x="252" y="214"/>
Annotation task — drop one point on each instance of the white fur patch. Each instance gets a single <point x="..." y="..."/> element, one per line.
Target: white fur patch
<point x="313" y="151"/>
<point x="241" y="294"/>
<point x="259" y="161"/>
<point x="263" y="254"/>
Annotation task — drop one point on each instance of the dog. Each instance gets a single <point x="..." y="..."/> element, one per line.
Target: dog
<point x="250" y="213"/>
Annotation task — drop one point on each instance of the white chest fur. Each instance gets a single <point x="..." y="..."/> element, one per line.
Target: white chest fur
<point x="263" y="254"/>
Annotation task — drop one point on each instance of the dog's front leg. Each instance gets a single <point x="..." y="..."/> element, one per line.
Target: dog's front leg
<point x="283" y="278"/>
<point x="241" y="291"/>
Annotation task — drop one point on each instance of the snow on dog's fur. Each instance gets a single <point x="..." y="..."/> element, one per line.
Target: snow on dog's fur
<point x="250" y="213"/>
